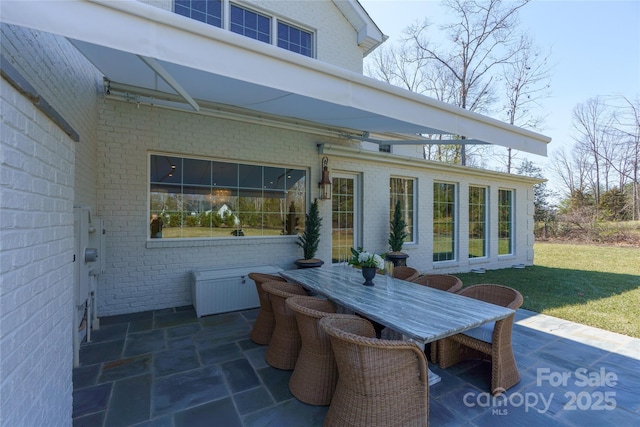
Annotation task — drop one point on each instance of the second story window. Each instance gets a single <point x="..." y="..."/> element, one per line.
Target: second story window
<point x="207" y="11"/>
<point x="294" y="39"/>
<point x="250" y="24"/>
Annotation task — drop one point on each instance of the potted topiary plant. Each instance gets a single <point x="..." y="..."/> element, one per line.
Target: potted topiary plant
<point x="397" y="234"/>
<point x="310" y="238"/>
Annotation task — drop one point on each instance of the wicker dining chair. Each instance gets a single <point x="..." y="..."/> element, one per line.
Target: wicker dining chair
<point x="315" y="376"/>
<point x="265" y="322"/>
<point x="285" y="341"/>
<point x="380" y="382"/>
<point x="405" y="273"/>
<point x="443" y="282"/>
<point x="491" y="341"/>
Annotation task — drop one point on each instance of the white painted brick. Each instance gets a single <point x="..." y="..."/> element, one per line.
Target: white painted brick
<point x="37" y="195"/>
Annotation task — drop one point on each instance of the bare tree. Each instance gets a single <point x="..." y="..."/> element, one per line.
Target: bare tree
<point x="526" y="81"/>
<point x="627" y="124"/>
<point x="480" y="39"/>
<point x="572" y="169"/>
<point x="593" y="121"/>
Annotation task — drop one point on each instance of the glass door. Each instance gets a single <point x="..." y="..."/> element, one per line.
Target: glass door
<point x="344" y="214"/>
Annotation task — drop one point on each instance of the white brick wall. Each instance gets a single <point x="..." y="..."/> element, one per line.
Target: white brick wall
<point x="39" y="183"/>
<point x="36" y="229"/>
<point x="143" y="275"/>
<point x="375" y="177"/>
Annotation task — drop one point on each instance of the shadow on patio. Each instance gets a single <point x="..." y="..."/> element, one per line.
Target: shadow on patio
<point x="169" y="368"/>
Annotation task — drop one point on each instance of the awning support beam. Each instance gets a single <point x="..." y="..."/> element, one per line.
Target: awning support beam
<point x="164" y="75"/>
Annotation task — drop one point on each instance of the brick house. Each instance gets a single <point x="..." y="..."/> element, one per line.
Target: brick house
<point x="135" y="109"/>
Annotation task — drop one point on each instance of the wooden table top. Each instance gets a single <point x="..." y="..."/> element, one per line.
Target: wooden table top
<point x="421" y="313"/>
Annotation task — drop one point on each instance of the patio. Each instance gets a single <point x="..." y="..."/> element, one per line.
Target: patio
<point x="169" y="368"/>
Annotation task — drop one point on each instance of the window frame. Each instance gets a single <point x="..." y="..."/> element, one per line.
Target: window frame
<point x="206" y="194"/>
<point x="511" y="207"/>
<point x="274" y="21"/>
<point x="411" y="225"/>
<point x="454" y="223"/>
<point x="245" y="10"/>
<point x="339" y="248"/>
<point x="299" y="28"/>
<point x="177" y="5"/>
<point x="485" y="222"/>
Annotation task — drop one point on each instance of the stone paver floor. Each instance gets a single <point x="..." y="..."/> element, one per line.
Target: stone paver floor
<point x="170" y="368"/>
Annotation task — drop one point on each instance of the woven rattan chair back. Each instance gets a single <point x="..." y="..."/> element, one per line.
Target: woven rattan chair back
<point x="405" y="273"/>
<point x="459" y="347"/>
<point x="443" y="282"/>
<point x="265" y="322"/>
<point x="285" y="341"/>
<point x="380" y="382"/>
<point x="495" y="294"/>
<point x="316" y="374"/>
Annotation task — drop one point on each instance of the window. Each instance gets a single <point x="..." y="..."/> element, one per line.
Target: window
<point x="250" y="24"/>
<point x="343" y="217"/>
<point x="208" y="11"/>
<point x="294" y="39"/>
<point x="505" y="222"/>
<point x="477" y="222"/>
<point x="401" y="189"/>
<point x="207" y="198"/>
<point x="444" y="205"/>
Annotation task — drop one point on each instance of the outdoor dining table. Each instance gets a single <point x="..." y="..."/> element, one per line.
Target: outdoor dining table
<point x="420" y="313"/>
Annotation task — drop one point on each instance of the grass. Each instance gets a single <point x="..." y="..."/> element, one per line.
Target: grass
<point x="593" y="285"/>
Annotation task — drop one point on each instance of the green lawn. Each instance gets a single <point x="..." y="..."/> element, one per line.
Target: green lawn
<point x="593" y="285"/>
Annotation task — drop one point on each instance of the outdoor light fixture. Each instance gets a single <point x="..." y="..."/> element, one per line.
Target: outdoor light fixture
<point x="325" y="183"/>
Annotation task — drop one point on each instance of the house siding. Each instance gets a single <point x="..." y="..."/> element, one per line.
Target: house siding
<point x="145" y="274"/>
<point x="44" y="174"/>
<point x="141" y="274"/>
<point x="37" y="275"/>
<point x="39" y="185"/>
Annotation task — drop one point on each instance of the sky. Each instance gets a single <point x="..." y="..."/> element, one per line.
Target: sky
<point x="595" y="50"/>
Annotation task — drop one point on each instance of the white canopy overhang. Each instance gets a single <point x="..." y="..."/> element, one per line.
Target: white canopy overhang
<point x="142" y="47"/>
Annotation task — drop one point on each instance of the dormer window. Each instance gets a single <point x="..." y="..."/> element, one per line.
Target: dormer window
<point x="249" y="23"/>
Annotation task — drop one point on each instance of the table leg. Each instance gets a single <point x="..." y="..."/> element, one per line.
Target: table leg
<point x="433" y="377"/>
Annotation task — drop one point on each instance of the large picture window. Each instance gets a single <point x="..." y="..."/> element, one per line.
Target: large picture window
<point x="402" y="190"/>
<point x="505" y="222"/>
<point x="477" y="222"/>
<point x="444" y="223"/>
<point x="200" y="198"/>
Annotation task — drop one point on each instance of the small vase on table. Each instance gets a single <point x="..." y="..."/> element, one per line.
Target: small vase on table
<point x="368" y="273"/>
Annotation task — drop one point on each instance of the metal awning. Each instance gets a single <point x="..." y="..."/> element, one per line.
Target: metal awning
<point x="161" y="54"/>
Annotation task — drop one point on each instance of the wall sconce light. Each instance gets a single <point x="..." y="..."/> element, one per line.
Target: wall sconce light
<point x="325" y="183"/>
